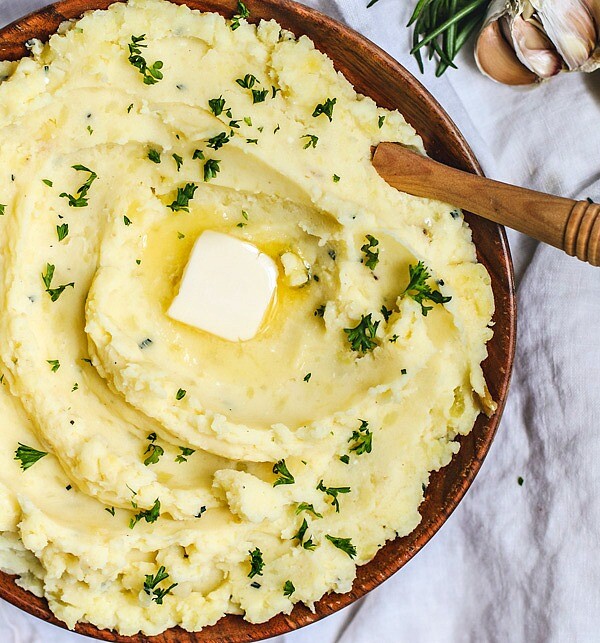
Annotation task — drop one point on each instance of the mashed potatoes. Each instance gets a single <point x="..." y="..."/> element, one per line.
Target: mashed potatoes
<point x="152" y="474"/>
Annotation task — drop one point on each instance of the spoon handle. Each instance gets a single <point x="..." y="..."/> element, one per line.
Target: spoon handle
<point x="572" y="226"/>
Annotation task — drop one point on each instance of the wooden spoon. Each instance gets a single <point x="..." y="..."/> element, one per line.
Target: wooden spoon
<point x="572" y="226"/>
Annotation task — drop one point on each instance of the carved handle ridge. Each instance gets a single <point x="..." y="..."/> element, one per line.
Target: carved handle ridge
<point x="582" y="232"/>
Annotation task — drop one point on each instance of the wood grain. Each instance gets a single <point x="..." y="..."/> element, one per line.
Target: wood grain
<point x="572" y="226"/>
<point x="375" y="74"/>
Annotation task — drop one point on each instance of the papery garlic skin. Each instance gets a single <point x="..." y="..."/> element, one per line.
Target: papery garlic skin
<point x="534" y="49"/>
<point x="570" y="27"/>
<point x="496" y="58"/>
<point x="544" y="36"/>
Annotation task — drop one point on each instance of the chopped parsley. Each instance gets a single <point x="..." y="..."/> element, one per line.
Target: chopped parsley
<point x="371" y="256"/>
<point x="242" y="14"/>
<point x="185" y="453"/>
<point x="202" y="510"/>
<point x="183" y="198"/>
<point x="386" y="312"/>
<point x="54" y="293"/>
<point x="81" y="199"/>
<point x="130" y="108"/>
<point x="90" y="130"/>
<point x="151" y="73"/>
<point x="248" y="81"/>
<point x="419" y="290"/>
<point x="520" y="481"/>
<point x="288" y="588"/>
<point x="198" y="154"/>
<point x="248" y="121"/>
<point x="217" y="105"/>
<point x="154" y="451"/>
<point x="336" y="178"/>
<point x="241" y="224"/>
<point x="126" y="220"/>
<point x="381" y="121"/>
<point x="362" y="336"/>
<point x="256" y="563"/>
<point x="285" y="477"/>
<point x="180" y="394"/>
<point x="216" y="142"/>
<point x="304" y="506"/>
<point x="312" y="140"/>
<point x="325" y="108"/>
<point x="62" y="231"/>
<point x="111" y="510"/>
<point x="54" y="364"/>
<point x="28" y="456"/>
<point x="307" y="544"/>
<point x="154" y="155"/>
<point x="252" y="141"/>
<point x="47" y="182"/>
<point x="149" y="515"/>
<point x="75" y="387"/>
<point x="345" y="544"/>
<point x="2" y="208"/>
<point x="320" y="311"/>
<point x="345" y="459"/>
<point x="211" y="169"/>
<point x="259" y="95"/>
<point x="362" y="439"/>
<point x="307" y="377"/>
<point x="394" y="339"/>
<point x="333" y="493"/>
<point x="178" y="161"/>
<point x="151" y="582"/>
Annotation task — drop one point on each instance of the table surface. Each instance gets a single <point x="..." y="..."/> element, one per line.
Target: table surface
<point x="515" y="562"/>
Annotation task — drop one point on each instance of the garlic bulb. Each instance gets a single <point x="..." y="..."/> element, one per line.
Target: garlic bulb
<point x="524" y="41"/>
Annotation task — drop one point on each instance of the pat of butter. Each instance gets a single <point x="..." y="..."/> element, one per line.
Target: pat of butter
<point x="227" y="287"/>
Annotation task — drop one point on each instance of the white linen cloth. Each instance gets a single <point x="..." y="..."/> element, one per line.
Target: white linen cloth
<point x="514" y="563"/>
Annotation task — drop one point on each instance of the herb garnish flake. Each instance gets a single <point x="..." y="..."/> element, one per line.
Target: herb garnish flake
<point x="285" y="477"/>
<point x="256" y="563"/>
<point x="242" y="14"/>
<point x="151" y="582"/>
<point x="183" y="198"/>
<point x="345" y="544"/>
<point x="333" y="493"/>
<point x="151" y="73"/>
<point x="419" y="290"/>
<point x="362" y="336"/>
<point x="325" y="108"/>
<point x="28" y="456"/>
<point x="371" y="255"/>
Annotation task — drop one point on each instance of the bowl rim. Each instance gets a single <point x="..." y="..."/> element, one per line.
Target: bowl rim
<point x="41" y="24"/>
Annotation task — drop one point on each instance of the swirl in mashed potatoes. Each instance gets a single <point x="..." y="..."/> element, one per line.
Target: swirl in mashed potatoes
<point x="153" y="474"/>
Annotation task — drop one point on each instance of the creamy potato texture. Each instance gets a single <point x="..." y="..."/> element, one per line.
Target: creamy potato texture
<point x="255" y="474"/>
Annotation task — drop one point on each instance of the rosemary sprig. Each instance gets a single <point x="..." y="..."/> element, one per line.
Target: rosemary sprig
<point x="443" y="26"/>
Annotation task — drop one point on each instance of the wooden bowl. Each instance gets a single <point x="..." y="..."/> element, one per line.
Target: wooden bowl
<point x="374" y="73"/>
